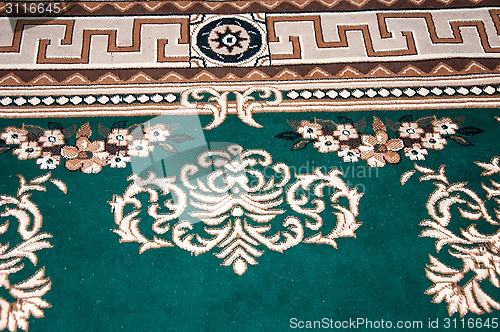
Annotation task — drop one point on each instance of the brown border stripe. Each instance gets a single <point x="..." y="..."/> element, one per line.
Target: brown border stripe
<point x="435" y="68"/>
<point x="276" y="6"/>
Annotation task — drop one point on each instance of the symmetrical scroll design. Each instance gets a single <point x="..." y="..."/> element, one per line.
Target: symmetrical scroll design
<point x="241" y="207"/>
<point x="222" y="103"/>
<point x="27" y="294"/>
<point x="477" y="246"/>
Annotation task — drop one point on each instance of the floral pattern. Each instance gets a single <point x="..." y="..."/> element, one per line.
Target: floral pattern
<point x="50" y="147"/>
<point x="464" y="288"/>
<point x="51" y="138"/>
<point x="310" y="129"/>
<point x="412" y="137"/>
<point x="28" y="150"/>
<point x="26" y="297"/>
<point x="14" y="135"/>
<point x="87" y="156"/>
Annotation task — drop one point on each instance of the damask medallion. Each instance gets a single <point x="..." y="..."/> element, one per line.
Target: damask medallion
<point x="245" y="205"/>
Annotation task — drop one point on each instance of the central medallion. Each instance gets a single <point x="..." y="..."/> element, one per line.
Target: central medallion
<point x="238" y="40"/>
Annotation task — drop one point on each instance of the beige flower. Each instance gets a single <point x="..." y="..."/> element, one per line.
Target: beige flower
<point x="51" y="138"/>
<point x="326" y="144"/>
<point x="140" y="148"/>
<point x="434" y="141"/>
<point x="349" y="155"/>
<point x="119" y="137"/>
<point x="14" y="135"/>
<point x="378" y="149"/>
<point x="28" y="150"/>
<point x="156" y="133"/>
<point x="119" y="160"/>
<point x="310" y="129"/>
<point x="410" y="130"/>
<point x="87" y="156"/>
<point x="444" y="126"/>
<point x="48" y="161"/>
<point x="345" y="132"/>
<point x="415" y="152"/>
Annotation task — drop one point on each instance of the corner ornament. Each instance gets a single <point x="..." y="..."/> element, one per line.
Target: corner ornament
<point x="477" y="247"/>
<point x="220" y="104"/>
<point x="244" y="205"/>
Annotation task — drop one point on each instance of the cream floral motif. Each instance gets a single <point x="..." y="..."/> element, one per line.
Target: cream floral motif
<point x="29" y="292"/>
<point x="238" y="209"/>
<point x="219" y="104"/>
<point x="309" y="129"/>
<point x="463" y="288"/>
<point x="14" y="135"/>
<point x="51" y="138"/>
<point x="28" y="150"/>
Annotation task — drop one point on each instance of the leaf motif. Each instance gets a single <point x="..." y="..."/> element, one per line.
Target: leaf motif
<point x="180" y="138"/>
<point x="4" y="149"/>
<point x="424" y="170"/>
<point x="461" y="140"/>
<point x="171" y="126"/>
<point x="41" y="179"/>
<point x="59" y="184"/>
<point x="426" y="122"/>
<point x="156" y="243"/>
<point x="288" y="135"/>
<point x="295" y="124"/>
<point x="84" y="131"/>
<point x="406" y="176"/>
<point x="55" y="126"/>
<point x="167" y="147"/>
<point x="37" y="130"/>
<point x="119" y="125"/>
<point x="470" y="131"/>
<point x="360" y="125"/>
<point x="490" y="168"/>
<point x="406" y="118"/>
<point x="392" y="124"/>
<point x="378" y="125"/>
<point x="103" y="131"/>
<point x="345" y="120"/>
<point x="69" y="131"/>
<point x="300" y="144"/>
<point x="329" y="125"/>
<point x="459" y="120"/>
<point x="134" y="126"/>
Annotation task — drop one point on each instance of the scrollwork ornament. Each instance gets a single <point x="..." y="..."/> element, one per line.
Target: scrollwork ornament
<point x="461" y="288"/>
<point x="243" y="206"/>
<point x="28" y="294"/>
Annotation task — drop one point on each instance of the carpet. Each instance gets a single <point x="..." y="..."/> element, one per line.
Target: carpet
<point x="264" y="165"/>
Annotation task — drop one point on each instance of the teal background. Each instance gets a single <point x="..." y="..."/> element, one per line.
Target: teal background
<point x="99" y="284"/>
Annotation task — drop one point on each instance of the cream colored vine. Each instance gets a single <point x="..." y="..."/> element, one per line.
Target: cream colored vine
<point x="21" y="210"/>
<point x="461" y="288"/>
